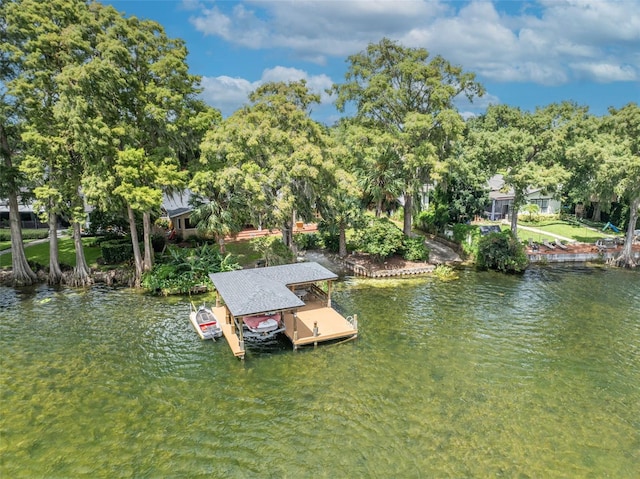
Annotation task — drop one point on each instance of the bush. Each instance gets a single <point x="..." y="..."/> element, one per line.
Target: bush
<point x="307" y="240"/>
<point x="467" y="236"/>
<point x="382" y="239"/>
<point x="27" y="234"/>
<point x="502" y="252"/>
<point x="272" y="250"/>
<point x="158" y="242"/>
<point x="433" y="219"/>
<point x="182" y="270"/>
<point x="414" y="249"/>
<point x="116" y="251"/>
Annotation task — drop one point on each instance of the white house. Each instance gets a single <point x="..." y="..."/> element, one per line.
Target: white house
<point x="501" y="200"/>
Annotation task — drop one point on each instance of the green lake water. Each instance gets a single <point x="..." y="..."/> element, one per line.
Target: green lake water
<point x="488" y="376"/>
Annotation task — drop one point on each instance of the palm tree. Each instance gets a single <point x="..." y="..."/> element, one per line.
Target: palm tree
<point x="217" y="216"/>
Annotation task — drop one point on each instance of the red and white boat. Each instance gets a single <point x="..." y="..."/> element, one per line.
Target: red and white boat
<point x="205" y="323"/>
<point x="262" y="325"/>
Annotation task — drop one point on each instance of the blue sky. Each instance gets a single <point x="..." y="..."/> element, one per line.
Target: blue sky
<point x="525" y="53"/>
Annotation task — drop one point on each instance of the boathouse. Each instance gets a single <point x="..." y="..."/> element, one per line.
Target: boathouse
<point x="292" y="290"/>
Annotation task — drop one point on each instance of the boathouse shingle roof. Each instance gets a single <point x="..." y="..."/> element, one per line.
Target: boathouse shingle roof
<point x="261" y="290"/>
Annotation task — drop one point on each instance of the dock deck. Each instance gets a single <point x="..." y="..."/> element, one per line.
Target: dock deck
<point x="227" y="331"/>
<point x="331" y="324"/>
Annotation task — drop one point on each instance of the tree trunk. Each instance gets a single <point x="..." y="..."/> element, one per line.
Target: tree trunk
<point x="514" y="222"/>
<point x="408" y="214"/>
<point x="55" y="273"/>
<point x="81" y="272"/>
<point x="148" y="248"/>
<point x="23" y="275"/>
<point x="342" y="248"/>
<point x="137" y="257"/>
<point x="379" y="208"/>
<point x="626" y="259"/>
<point x="515" y="207"/>
<point x="221" y="244"/>
<point x="596" y="212"/>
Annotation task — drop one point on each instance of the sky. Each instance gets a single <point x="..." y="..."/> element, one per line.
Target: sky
<point x="526" y="54"/>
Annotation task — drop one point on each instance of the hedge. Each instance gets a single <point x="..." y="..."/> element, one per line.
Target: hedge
<point x="116" y="251"/>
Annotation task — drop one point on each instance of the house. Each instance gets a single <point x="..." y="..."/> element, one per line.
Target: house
<point x="176" y="209"/>
<point x="501" y="200"/>
<point x="29" y="218"/>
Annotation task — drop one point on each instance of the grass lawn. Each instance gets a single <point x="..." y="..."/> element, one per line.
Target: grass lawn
<point x="580" y="233"/>
<point x="40" y="253"/>
<point x="242" y="250"/>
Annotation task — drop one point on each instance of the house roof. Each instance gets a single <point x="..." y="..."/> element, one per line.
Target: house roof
<point x="260" y="290"/>
<point x="497" y="191"/>
<point x="176" y="204"/>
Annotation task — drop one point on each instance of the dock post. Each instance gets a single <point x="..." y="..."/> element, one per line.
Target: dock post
<point x="315" y="333"/>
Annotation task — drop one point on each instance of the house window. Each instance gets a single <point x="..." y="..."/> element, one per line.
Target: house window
<point x="187" y="224"/>
<point x="543" y="204"/>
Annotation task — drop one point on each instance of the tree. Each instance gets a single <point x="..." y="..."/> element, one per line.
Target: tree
<point x="398" y="93"/>
<point x="217" y="216"/>
<point x="10" y="180"/>
<point x="271" y="154"/>
<point x="340" y="201"/>
<point x="45" y="40"/>
<point x="10" y="147"/>
<point x="528" y="148"/>
<point x="138" y="94"/>
<point x="624" y="125"/>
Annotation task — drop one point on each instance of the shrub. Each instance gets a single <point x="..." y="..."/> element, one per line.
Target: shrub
<point x="502" y="252"/>
<point x="414" y="249"/>
<point x="158" y="242"/>
<point x="273" y="250"/>
<point x="182" y="270"/>
<point x="307" y="240"/>
<point x="382" y="239"/>
<point x="116" y="251"/>
<point x="467" y="236"/>
<point x="433" y="219"/>
<point x="27" y="234"/>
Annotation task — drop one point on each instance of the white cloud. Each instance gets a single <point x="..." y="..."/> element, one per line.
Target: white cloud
<point x="229" y="94"/>
<point x="548" y="41"/>
<point x="605" y="72"/>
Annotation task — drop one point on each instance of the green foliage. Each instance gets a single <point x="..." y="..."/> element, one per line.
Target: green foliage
<point x="433" y="219"/>
<point x="445" y="273"/>
<point x="502" y="252"/>
<point x="307" y="240"/>
<point x="27" y="234"/>
<point x="272" y="250"/>
<point x="533" y="213"/>
<point x="102" y="222"/>
<point x="184" y="270"/>
<point x="381" y="239"/>
<point x="116" y="251"/>
<point x="406" y="101"/>
<point x="415" y="249"/>
<point x="467" y="236"/>
<point x="158" y="242"/>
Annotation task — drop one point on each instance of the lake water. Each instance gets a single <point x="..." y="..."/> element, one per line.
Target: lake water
<point x="488" y="376"/>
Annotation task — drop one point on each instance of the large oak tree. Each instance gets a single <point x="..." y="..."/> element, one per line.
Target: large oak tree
<point x="407" y="98"/>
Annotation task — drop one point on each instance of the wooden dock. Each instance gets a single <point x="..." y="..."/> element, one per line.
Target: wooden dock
<point x="316" y="323"/>
<point x="228" y="332"/>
